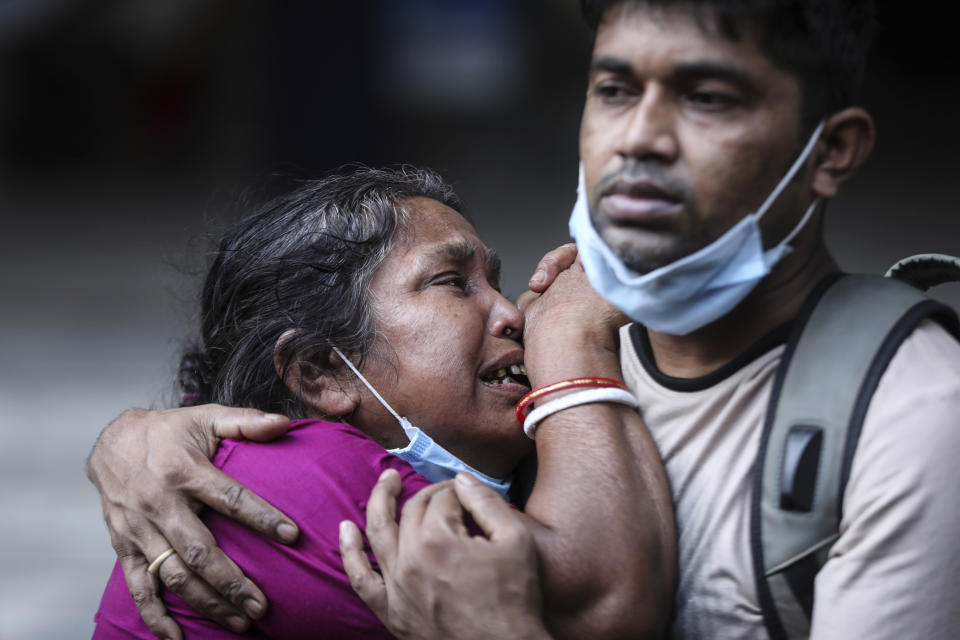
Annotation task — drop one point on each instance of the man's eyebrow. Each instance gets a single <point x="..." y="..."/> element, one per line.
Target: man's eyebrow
<point x="709" y="69"/>
<point x="697" y="69"/>
<point x="611" y="64"/>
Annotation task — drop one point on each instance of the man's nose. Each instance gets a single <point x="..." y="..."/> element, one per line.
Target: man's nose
<point x="650" y="128"/>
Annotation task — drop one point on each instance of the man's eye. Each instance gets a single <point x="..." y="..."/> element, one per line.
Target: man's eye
<point x="612" y="92"/>
<point x="712" y="100"/>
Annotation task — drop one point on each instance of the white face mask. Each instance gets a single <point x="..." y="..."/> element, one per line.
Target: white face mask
<point x="695" y="290"/>
<point x="427" y="457"/>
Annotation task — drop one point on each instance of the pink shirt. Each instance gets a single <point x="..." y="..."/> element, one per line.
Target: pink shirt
<point x="318" y="474"/>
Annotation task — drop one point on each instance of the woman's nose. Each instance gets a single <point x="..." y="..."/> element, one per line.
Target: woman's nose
<point x="506" y="321"/>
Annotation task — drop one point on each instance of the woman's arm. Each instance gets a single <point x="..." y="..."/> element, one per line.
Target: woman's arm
<point x="599" y="518"/>
<point x="600" y="510"/>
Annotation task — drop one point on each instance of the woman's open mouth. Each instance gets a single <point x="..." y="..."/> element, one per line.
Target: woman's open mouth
<point x="514" y="374"/>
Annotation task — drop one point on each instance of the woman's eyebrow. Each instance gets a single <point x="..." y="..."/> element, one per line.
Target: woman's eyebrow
<point x="457" y="251"/>
<point x="463" y="252"/>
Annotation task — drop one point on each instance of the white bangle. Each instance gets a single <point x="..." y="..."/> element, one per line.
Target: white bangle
<point x="588" y="396"/>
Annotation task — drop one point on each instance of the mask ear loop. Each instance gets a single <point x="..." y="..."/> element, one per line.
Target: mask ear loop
<point x="800" y="225"/>
<point x="788" y="178"/>
<point x="369" y="386"/>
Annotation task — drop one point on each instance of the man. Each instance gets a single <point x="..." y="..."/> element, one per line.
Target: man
<point x="713" y="133"/>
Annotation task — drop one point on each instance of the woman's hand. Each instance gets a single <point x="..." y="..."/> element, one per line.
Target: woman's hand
<point x="551" y="265"/>
<point x="563" y="313"/>
<point x="437" y="580"/>
<point x="153" y="472"/>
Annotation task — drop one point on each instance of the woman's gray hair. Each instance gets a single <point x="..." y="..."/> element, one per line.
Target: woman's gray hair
<point x="300" y="268"/>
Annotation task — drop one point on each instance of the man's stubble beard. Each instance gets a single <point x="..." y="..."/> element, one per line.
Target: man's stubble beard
<point x="643" y="257"/>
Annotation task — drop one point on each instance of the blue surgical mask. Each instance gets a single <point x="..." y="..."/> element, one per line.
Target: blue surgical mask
<point x="427" y="457"/>
<point x="691" y="292"/>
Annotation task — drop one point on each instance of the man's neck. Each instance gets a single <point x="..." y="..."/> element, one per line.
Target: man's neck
<point x="775" y="301"/>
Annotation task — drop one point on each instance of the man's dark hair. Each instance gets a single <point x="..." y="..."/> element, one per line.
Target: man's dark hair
<point x="823" y="42"/>
<point x="299" y="268"/>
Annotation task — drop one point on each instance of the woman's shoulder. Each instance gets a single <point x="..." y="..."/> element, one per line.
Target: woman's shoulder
<point x="309" y="445"/>
<point x="319" y="474"/>
<point x="315" y="455"/>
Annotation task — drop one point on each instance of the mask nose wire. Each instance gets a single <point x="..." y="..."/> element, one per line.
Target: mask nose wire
<point x="792" y="172"/>
<point x="369" y="386"/>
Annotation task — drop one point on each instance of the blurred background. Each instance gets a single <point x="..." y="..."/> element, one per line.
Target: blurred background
<point x="129" y="129"/>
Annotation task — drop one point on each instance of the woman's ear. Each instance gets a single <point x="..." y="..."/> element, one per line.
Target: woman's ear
<point x="848" y="137"/>
<point x="317" y="386"/>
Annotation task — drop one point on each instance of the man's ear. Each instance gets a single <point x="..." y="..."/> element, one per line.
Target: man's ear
<point x="316" y="385"/>
<point x="845" y="143"/>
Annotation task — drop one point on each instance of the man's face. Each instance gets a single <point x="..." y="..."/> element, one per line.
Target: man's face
<point x="684" y="132"/>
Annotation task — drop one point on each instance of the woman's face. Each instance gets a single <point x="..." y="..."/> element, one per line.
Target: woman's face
<point x="436" y="303"/>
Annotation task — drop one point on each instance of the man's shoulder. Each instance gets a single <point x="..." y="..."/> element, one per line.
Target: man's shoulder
<point x="912" y="417"/>
<point x="927" y="363"/>
<point x="900" y="513"/>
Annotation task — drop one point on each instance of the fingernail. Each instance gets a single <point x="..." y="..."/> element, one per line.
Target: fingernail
<point x="253" y="608"/>
<point x="274" y="417"/>
<point x="287" y="532"/>
<point x="467" y="479"/>
<point x="539" y="277"/>
<point x="344" y="529"/>
<point x="237" y="623"/>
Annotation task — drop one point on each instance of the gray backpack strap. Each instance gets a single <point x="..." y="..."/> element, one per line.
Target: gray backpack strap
<point x="839" y="349"/>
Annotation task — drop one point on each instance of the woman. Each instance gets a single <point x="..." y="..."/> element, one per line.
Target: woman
<point x="366" y="304"/>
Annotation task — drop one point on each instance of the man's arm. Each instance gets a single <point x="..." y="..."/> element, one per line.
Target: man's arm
<point x="153" y="473"/>
<point x="464" y="574"/>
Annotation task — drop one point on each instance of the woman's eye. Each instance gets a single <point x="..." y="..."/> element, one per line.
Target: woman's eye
<point x="457" y="281"/>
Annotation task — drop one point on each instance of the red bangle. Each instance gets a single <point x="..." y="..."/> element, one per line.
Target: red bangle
<point x="572" y="383"/>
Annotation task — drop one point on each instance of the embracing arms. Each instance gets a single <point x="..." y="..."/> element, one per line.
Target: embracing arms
<point x="600" y="510"/>
<point x="152" y="470"/>
<point x="599" y="515"/>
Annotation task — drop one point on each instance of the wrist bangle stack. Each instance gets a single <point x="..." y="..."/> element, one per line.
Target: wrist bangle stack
<point x="588" y="396"/>
<point x="572" y="383"/>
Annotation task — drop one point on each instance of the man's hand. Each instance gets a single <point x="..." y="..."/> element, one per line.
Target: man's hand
<point x="437" y="580"/>
<point x="153" y="473"/>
